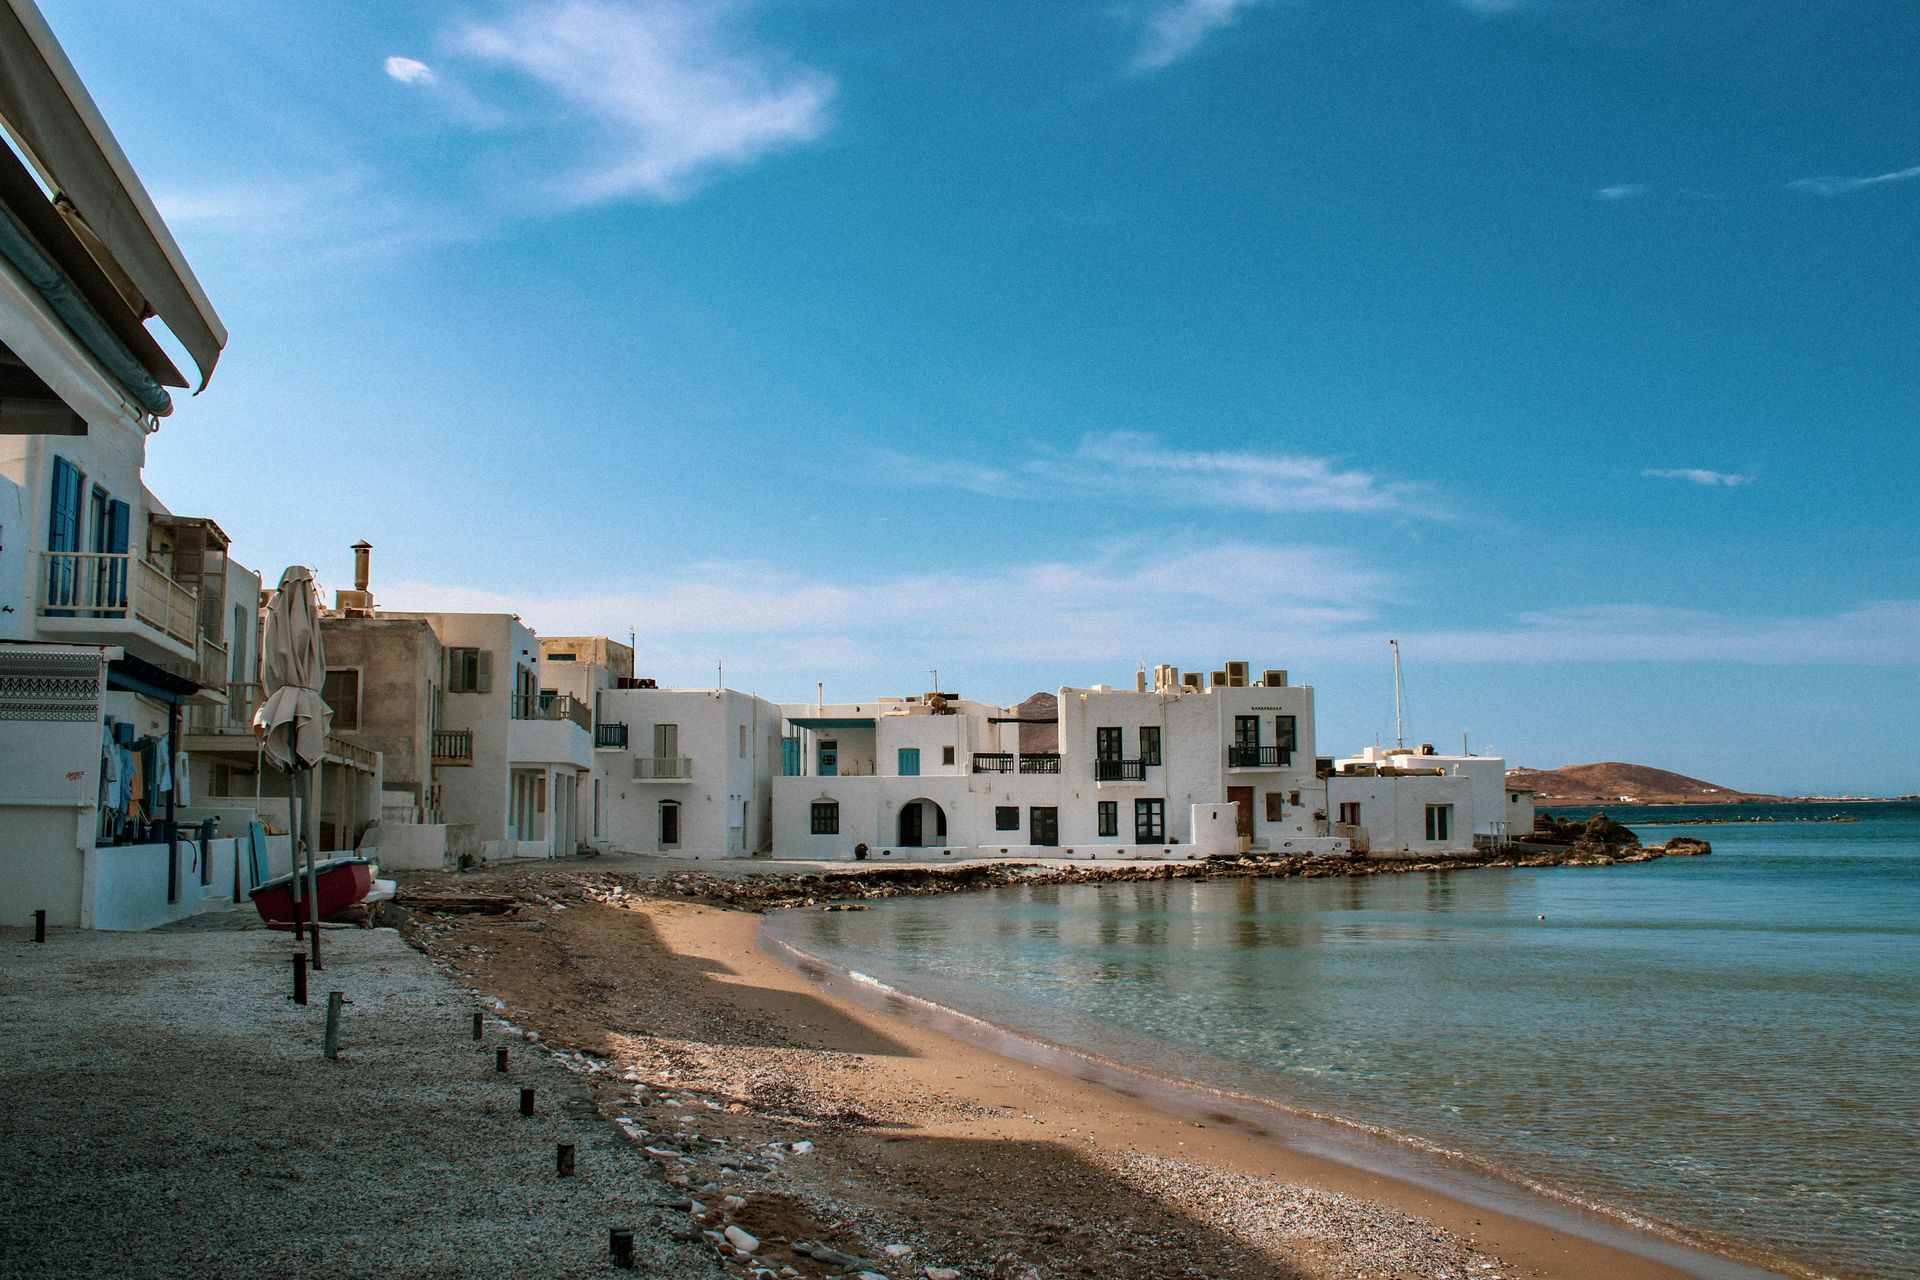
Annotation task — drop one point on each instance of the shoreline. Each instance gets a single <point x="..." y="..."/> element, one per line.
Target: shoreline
<point x="609" y="967"/>
<point x="1422" y="1171"/>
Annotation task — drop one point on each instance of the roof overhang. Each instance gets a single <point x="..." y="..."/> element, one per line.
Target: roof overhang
<point x="49" y="112"/>
<point x="830" y="723"/>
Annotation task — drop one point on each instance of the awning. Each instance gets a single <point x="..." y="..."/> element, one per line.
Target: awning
<point x="47" y="108"/>
<point x="136" y="675"/>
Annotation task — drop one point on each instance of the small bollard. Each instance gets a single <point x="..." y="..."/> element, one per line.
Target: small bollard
<point x="478" y="1027"/>
<point x="620" y="1242"/>
<point x="526" y="1102"/>
<point x="39" y="926"/>
<point x="563" y="1160"/>
<point x="300" y="978"/>
<point x="331" y="1045"/>
<point x="499" y="1059"/>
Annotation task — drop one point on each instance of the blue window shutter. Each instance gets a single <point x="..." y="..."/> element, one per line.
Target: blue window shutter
<point x="909" y="762"/>
<point x="63" y="528"/>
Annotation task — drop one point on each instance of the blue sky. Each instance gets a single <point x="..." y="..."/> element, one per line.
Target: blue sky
<point x="1572" y="342"/>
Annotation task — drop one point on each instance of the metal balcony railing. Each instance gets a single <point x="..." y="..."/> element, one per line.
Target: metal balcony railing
<point x="992" y="762"/>
<point x="102" y="584"/>
<point x="662" y="768"/>
<point x="1252" y="757"/>
<point x="611" y="734"/>
<point x="453" y="746"/>
<point x="560" y="706"/>
<point x="1040" y="762"/>
<point x="1119" y="771"/>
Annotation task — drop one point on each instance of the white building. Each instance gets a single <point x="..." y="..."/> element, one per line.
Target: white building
<point x="1415" y="801"/>
<point x="121" y="624"/>
<point x="1184" y="768"/>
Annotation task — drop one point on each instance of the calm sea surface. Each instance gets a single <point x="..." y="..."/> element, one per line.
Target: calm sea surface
<point x="1729" y="1045"/>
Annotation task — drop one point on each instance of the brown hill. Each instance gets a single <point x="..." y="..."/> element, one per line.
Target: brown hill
<point x="1612" y="781"/>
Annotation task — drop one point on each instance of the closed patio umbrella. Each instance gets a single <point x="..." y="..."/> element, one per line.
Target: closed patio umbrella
<point x="294" y="720"/>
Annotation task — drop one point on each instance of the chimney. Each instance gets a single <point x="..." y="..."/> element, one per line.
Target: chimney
<point x="359" y="601"/>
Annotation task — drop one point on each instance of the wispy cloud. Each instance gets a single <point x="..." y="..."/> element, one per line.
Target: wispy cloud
<point x="1832" y="186"/>
<point x="1136" y="466"/>
<point x="409" y="70"/>
<point x="660" y="95"/>
<point x="1622" y="191"/>
<point x="1876" y="633"/>
<point x="1699" y="475"/>
<point x="1176" y="29"/>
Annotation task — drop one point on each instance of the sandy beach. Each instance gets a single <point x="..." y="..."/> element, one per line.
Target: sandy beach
<point x="918" y="1152"/>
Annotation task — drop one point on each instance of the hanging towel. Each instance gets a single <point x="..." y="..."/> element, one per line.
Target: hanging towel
<point x="109" y="761"/>
<point x="162" y="771"/>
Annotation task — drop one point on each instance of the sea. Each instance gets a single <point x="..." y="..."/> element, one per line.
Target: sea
<point x="1725" y="1049"/>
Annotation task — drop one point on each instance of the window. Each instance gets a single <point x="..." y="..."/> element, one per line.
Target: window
<point x="946" y="755"/>
<point x="1350" y="812"/>
<point x="63" y="528"/>
<point x="1109" y="817"/>
<point x="1006" y="817"/>
<point x="341" y="692"/>
<point x="469" y="671"/>
<point x="666" y="741"/>
<point x="1283" y="739"/>
<point x="826" y="817"/>
<point x="1149" y="744"/>
<point x="909" y="762"/>
<point x="1150" y="821"/>
<point x="561" y="657"/>
<point x="1440" y="822"/>
<point x="1107" y="743"/>
<point x="1276" y="806"/>
<point x="1246" y="734"/>
<point x="743" y="742"/>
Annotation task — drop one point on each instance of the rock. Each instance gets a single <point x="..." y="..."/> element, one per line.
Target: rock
<point x="735" y="1203"/>
<point x="1009" y="1267"/>
<point x="744" y="1241"/>
<point x="1686" y="847"/>
<point x="941" y="1273"/>
<point x="801" y="1148"/>
<point x="899" y="1250"/>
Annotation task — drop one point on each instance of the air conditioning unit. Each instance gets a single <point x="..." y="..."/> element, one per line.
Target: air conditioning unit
<point x="1273" y="679"/>
<point x="1194" y="681"/>
<point x="1219" y="679"/>
<point x="1236" y="675"/>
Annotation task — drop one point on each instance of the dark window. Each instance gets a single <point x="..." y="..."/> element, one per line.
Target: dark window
<point x="1109" y="817"/>
<point x="1107" y="743"/>
<point x="561" y="657"/>
<point x="826" y="818"/>
<point x="1043" y="825"/>
<point x="946" y="755"/>
<point x="1440" y="822"/>
<point x="1283" y="738"/>
<point x="1006" y="817"/>
<point x="1149" y="744"/>
<point x="1350" y="812"/>
<point x="1246" y="734"/>
<point x="341" y="693"/>
<point x="1150" y="821"/>
<point x="669" y="821"/>
<point x="469" y="671"/>
<point x="1276" y="806"/>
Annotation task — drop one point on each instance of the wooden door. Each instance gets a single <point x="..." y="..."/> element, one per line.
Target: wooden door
<point x="1243" y="819"/>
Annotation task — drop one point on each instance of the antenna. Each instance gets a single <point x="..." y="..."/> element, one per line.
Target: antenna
<point x="935" y="673"/>
<point x="1464" y="749"/>
<point x="720" y="674"/>
<point x="1399" y="697"/>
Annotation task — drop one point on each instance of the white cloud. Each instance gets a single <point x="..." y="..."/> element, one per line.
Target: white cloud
<point x="410" y="70"/>
<point x="1176" y="29"/>
<point x="670" y="92"/>
<point x="1141" y="467"/>
<point x="1622" y="191"/>
<point x="1832" y="186"/>
<point x="1699" y="475"/>
<point x="1877" y="633"/>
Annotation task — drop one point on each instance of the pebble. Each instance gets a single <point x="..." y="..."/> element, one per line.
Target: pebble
<point x="801" y="1148"/>
<point x="743" y="1241"/>
<point x="941" y="1273"/>
<point x="899" y="1250"/>
<point x="735" y="1203"/>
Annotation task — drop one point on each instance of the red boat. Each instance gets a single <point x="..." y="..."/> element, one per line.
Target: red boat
<point x="342" y="882"/>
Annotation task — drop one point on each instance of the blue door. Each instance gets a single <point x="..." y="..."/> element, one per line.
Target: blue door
<point x="829" y="758"/>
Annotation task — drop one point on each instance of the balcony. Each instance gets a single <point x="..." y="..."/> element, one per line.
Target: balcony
<point x="1119" y="771"/>
<point x="453" y="746"/>
<point x="610" y="735"/>
<point x="115" y="597"/>
<point x="1241" y="756"/>
<point x="234" y="716"/>
<point x="662" y="769"/>
<point x="561" y="706"/>
<point x="1043" y="762"/>
<point x="992" y="762"/>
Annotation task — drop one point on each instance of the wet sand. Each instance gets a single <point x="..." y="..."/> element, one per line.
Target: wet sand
<point x="720" y="1057"/>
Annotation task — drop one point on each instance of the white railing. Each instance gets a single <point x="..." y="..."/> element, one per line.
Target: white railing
<point x="104" y="584"/>
<point x="662" y="768"/>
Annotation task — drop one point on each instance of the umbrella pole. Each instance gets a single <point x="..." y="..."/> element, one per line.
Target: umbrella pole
<point x="311" y="814"/>
<point x="293" y="858"/>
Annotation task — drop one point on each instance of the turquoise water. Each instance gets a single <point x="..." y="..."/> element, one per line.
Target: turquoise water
<point x="1728" y="1046"/>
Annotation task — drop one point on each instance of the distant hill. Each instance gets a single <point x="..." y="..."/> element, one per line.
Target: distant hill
<point x="1610" y="780"/>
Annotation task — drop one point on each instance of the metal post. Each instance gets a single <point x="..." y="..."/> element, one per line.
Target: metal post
<point x="315" y="794"/>
<point x="526" y="1102"/>
<point x="39" y="926"/>
<point x="294" y="831"/>
<point x="173" y="837"/>
<point x="563" y="1160"/>
<point x="620" y="1242"/>
<point x="300" y="977"/>
<point x="331" y="1044"/>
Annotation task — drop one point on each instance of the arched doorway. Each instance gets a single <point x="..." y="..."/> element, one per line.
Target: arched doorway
<point x="923" y="824"/>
